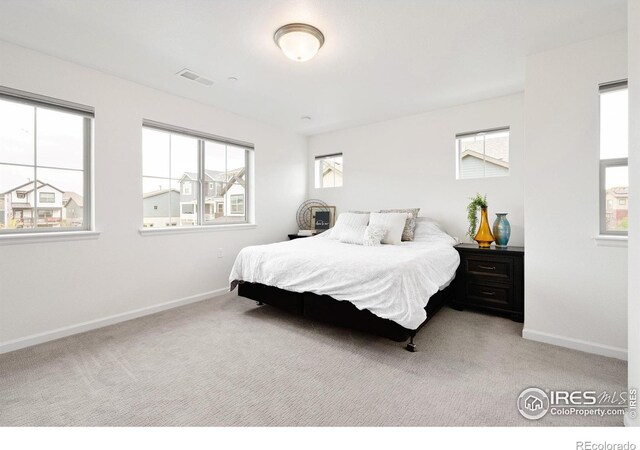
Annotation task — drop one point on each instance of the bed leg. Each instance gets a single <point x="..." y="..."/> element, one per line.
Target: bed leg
<point x="411" y="346"/>
<point x="259" y="303"/>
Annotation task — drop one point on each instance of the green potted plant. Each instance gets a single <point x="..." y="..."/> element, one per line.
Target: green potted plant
<point x="483" y="237"/>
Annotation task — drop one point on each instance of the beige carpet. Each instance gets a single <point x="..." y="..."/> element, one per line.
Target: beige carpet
<point x="228" y="362"/>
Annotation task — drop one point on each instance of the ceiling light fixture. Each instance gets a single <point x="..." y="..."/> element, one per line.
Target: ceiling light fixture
<point x="305" y="118"/>
<point x="299" y="41"/>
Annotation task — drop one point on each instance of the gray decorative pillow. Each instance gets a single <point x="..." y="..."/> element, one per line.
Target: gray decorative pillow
<point x="373" y="235"/>
<point x="410" y="224"/>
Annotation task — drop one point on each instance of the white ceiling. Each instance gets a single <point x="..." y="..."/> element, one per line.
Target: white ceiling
<point x="382" y="58"/>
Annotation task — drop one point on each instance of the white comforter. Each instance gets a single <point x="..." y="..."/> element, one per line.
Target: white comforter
<point x="392" y="281"/>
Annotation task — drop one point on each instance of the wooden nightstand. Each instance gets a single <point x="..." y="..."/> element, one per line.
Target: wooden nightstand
<point x="491" y="279"/>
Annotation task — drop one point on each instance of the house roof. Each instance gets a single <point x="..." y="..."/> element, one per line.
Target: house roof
<point x="77" y="198"/>
<point x="30" y="186"/>
<point x="159" y="192"/>
<point x="489" y="159"/>
<point x="619" y="191"/>
<point x="213" y="175"/>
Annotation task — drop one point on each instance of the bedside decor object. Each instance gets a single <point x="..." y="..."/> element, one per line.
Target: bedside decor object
<point x="304" y="216"/>
<point x="483" y="237"/>
<point x="323" y="217"/>
<point x="501" y="230"/>
<point x="490" y="279"/>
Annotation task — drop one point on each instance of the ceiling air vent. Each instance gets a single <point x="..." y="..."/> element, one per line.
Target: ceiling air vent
<point x="191" y="75"/>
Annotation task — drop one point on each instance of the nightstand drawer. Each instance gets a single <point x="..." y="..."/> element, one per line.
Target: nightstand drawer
<point x="490" y="296"/>
<point x="494" y="267"/>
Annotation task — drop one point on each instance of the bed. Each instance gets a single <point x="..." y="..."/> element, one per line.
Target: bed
<point x="389" y="290"/>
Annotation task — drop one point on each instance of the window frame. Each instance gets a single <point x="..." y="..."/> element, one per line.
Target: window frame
<point x="201" y="182"/>
<point x="231" y="205"/>
<point x="88" y="115"/>
<point x="42" y="201"/>
<point x="318" y="176"/>
<point x="606" y="163"/>
<point x="466" y="134"/>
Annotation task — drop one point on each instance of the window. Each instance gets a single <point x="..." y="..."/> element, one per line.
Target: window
<point x="483" y="154"/>
<point x="328" y="171"/>
<point x="45" y="151"/>
<point x="194" y="175"/>
<point x="614" y="158"/>
<point x="237" y="204"/>
<point x="47" y="197"/>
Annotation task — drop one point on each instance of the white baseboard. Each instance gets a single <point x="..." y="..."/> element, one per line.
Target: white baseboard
<point x="575" y="344"/>
<point x="58" y="333"/>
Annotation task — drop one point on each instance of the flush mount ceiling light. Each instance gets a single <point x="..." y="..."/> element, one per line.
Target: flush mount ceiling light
<point x="299" y="41"/>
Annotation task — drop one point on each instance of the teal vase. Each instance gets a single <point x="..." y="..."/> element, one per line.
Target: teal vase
<point x="501" y="230"/>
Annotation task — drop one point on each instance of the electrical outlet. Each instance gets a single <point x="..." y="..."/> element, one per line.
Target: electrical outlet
<point x="220" y="253"/>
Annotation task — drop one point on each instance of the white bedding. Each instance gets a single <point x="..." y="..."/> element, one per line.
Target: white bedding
<point x="394" y="282"/>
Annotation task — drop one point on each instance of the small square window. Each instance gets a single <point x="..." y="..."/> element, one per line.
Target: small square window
<point x="483" y="154"/>
<point x="329" y="171"/>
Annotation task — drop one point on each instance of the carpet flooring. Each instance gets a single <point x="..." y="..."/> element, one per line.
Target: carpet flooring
<point x="228" y="362"/>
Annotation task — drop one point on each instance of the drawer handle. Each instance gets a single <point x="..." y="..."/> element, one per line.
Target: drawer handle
<point x="487" y="267"/>
<point x="488" y="293"/>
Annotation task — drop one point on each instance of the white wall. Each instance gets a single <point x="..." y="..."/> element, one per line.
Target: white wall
<point x="411" y="162"/>
<point x="53" y="285"/>
<point x="634" y="212"/>
<point x="576" y="291"/>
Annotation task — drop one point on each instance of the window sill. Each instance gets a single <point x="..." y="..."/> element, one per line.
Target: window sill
<point x="57" y="236"/>
<point x="606" y="240"/>
<point x="196" y="229"/>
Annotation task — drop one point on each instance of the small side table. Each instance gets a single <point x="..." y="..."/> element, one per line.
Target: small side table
<point x="295" y="236"/>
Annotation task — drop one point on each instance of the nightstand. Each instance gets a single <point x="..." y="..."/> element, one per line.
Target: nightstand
<point x="296" y="236"/>
<point x="491" y="279"/>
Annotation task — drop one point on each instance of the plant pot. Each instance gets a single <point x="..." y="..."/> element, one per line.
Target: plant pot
<point x="501" y="230"/>
<point x="483" y="237"/>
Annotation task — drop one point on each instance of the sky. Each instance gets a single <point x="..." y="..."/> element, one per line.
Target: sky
<point x="168" y="156"/>
<point x="59" y="144"/>
<point x="614" y="134"/>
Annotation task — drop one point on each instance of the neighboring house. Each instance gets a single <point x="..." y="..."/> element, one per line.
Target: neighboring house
<point x="477" y="165"/>
<point x="617" y="201"/>
<point x="161" y="208"/>
<point x="485" y="157"/>
<point x="20" y="205"/>
<point x="223" y="196"/>
<point x="73" y="208"/>
<point x="331" y="174"/>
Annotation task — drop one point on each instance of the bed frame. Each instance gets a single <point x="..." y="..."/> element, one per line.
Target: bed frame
<point x="343" y="313"/>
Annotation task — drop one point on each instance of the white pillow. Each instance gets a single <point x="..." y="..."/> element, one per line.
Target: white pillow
<point x="346" y="219"/>
<point x="373" y="235"/>
<point x="352" y="234"/>
<point x="428" y="230"/>
<point x="393" y="222"/>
